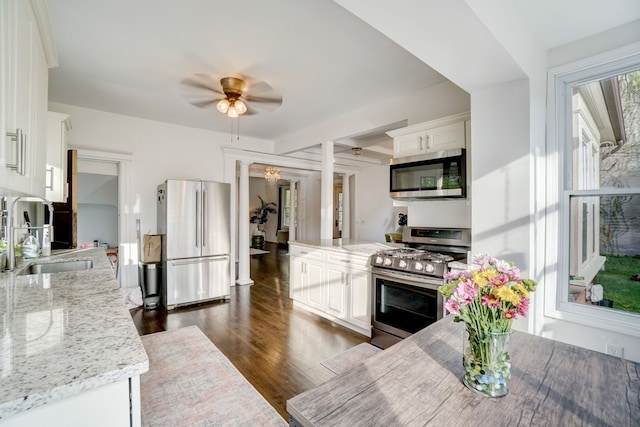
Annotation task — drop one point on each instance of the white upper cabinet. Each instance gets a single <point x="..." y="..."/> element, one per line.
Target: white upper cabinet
<point x="56" y="170"/>
<point x="437" y="135"/>
<point x="27" y="53"/>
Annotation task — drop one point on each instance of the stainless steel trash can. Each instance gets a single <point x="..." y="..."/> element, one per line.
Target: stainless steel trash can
<point x="150" y="278"/>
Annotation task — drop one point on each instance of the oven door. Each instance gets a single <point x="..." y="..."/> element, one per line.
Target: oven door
<point x="404" y="304"/>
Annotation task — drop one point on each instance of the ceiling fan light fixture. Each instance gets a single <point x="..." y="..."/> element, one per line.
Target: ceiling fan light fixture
<point x="240" y="106"/>
<point x="223" y="105"/>
<point x="232" y="111"/>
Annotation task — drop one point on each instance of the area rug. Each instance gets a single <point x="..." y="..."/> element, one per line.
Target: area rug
<point x="354" y="356"/>
<point x="254" y="251"/>
<point x="190" y="382"/>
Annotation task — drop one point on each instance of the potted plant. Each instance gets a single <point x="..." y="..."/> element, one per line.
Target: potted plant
<point x="260" y="215"/>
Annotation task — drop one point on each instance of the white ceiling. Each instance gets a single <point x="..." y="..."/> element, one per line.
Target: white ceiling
<point x="129" y="57"/>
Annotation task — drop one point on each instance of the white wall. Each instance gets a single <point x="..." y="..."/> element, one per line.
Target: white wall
<point x="441" y="100"/>
<point x="159" y="151"/>
<point x="495" y="57"/>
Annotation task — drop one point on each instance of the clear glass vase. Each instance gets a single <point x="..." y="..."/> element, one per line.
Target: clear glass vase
<point x="486" y="361"/>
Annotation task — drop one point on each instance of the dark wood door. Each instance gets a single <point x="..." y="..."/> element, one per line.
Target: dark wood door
<point x="65" y="215"/>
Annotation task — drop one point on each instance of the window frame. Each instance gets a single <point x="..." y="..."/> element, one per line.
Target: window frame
<point x="559" y="159"/>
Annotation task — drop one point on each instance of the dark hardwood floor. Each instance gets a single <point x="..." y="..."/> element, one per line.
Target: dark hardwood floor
<point x="277" y="348"/>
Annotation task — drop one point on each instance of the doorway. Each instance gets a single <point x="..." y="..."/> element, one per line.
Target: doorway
<point x="337" y="211"/>
<point x="116" y="165"/>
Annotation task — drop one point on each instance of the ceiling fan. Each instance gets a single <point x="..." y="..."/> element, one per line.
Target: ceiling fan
<point x="232" y="96"/>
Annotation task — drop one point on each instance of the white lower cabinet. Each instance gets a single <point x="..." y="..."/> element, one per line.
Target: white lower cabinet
<point x="307" y="277"/>
<point x="333" y="284"/>
<point x="348" y="295"/>
<point x="359" y="299"/>
<point x="337" y="283"/>
<point x="115" y="404"/>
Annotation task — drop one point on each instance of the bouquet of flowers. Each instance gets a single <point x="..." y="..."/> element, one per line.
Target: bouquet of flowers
<point x="487" y="298"/>
<point x="489" y="295"/>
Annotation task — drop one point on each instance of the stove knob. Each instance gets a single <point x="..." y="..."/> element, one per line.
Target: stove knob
<point x="418" y="266"/>
<point x="402" y="264"/>
<point x="429" y="268"/>
<point x="379" y="260"/>
<point x="387" y="261"/>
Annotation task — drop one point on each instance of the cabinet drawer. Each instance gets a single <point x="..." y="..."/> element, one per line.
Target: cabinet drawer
<point x="306" y="251"/>
<point x="349" y="259"/>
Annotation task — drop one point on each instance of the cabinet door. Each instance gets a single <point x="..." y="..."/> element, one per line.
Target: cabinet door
<point x="410" y="145"/>
<point x="24" y="101"/>
<point x="297" y="290"/>
<point x="359" y="312"/>
<point x="446" y="137"/>
<point x="56" y="168"/>
<point x="336" y="281"/>
<point x="314" y="284"/>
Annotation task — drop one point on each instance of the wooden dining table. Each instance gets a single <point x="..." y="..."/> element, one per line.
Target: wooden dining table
<point x="418" y="382"/>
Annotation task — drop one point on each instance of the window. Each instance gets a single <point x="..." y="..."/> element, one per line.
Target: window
<point x="598" y="143"/>
<point x="285" y="207"/>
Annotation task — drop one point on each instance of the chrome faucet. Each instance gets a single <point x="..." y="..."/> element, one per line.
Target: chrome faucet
<point x="11" y="252"/>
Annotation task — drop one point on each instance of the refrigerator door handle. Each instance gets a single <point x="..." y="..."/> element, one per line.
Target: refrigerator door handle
<point x="196" y="218"/>
<point x="204" y="219"/>
<point x="199" y="260"/>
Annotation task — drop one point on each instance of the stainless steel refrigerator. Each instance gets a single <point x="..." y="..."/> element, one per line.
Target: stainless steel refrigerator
<point x="193" y="217"/>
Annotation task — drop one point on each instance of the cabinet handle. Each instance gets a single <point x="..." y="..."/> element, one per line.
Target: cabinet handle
<point x="23" y="155"/>
<point x="420" y="139"/>
<point x="49" y="172"/>
<point x="20" y="139"/>
<point x="429" y="141"/>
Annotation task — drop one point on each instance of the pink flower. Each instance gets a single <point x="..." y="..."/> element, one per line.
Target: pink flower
<point x="499" y="280"/>
<point x="456" y="274"/>
<point x="491" y="301"/>
<point x="509" y="314"/>
<point x="452" y="306"/>
<point x="523" y="308"/>
<point x="466" y="291"/>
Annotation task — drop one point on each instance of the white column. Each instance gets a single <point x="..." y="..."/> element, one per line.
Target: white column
<point x="326" y="190"/>
<point x="243" y="226"/>
<point x="346" y="207"/>
<point x="293" y="220"/>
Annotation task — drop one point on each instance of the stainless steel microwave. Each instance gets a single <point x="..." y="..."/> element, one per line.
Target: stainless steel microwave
<point x="429" y="176"/>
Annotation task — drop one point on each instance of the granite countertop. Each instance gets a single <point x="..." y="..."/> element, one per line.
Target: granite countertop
<point x="64" y="333"/>
<point x="355" y="246"/>
<point x="418" y="382"/>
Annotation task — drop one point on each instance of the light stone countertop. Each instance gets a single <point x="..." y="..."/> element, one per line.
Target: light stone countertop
<point x="355" y="246"/>
<point x="64" y="333"/>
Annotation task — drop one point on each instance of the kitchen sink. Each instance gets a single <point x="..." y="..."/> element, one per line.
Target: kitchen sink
<point x="58" y="267"/>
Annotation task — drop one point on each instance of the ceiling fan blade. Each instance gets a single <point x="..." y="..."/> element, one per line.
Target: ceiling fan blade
<point x="264" y="99"/>
<point x="202" y="81"/>
<point x="204" y="103"/>
<point x="250" y="111"/>
<point x="259" y="87"/>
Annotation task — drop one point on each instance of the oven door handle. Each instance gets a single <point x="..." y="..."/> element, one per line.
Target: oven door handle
<point x="409" y="279"/>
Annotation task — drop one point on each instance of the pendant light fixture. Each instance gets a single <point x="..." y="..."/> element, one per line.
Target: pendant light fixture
<point x="271" y="174"/>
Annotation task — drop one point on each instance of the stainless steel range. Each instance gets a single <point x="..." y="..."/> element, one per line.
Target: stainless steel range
<point x="406" y="280"/>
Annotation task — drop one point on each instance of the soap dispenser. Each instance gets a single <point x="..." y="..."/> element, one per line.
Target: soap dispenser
<point x="46" y="242"/>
